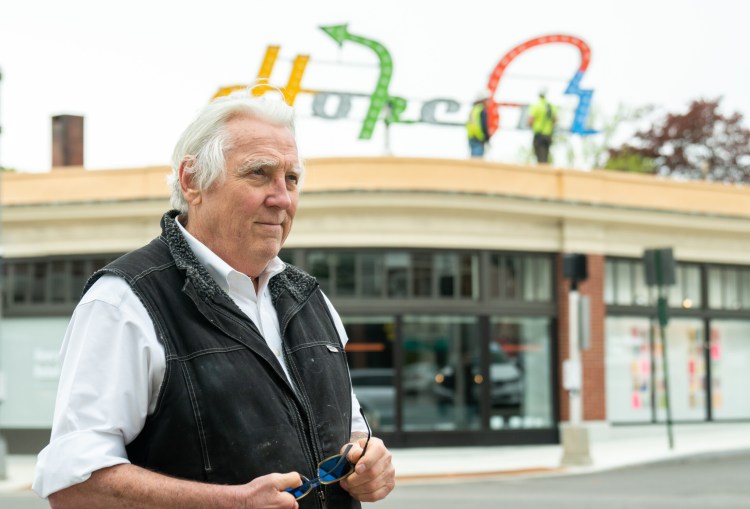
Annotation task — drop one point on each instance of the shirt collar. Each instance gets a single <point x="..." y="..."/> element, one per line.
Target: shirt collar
<point x="221" y="271"/>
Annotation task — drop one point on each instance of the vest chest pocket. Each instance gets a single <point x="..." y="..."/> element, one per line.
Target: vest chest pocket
<point x="319" y="358"/>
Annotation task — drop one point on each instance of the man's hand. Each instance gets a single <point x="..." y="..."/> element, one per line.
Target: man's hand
<point x="129" y="486"/>
<point x="267" y="492"/>
<point x="374" y="476"/>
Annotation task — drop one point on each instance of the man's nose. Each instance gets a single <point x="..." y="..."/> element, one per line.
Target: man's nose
<point x="278" y="193"/>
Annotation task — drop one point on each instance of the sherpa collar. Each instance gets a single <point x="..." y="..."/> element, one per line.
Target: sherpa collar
<point x="298" y="283"/>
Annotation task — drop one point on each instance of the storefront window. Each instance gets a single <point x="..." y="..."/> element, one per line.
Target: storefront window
<point x="609" y="285"/>
<point x="729" y="288"/>
<point x="537" y="279"/>
<point x="373" y="267"/>
<point x="318" y="265"/>
<point x="397" y="274"/>
<point x="370" y="355"/>
<point x="20" y="282"/>
<point x="623" y="283"/>
<point x="520" y="373"/>
<point x="730" y="378"/>
<point x="521" y="278"/>
<point x="628" y="368"/>
<point x="715" y="285"/>
<point x="422" y="274"/>
<point x="58" y="281"/>
<point x="345" y="274"/>
<point x="687" y="370"/>
<point x="79" y="273"/>
<point x="686" y="292"/>
<point x="442" y="373"/>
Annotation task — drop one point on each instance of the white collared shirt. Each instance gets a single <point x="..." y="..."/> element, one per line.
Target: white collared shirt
<point x="113" y="367"/>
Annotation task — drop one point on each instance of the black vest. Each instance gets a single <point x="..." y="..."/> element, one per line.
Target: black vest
<point x="226" y="412"/>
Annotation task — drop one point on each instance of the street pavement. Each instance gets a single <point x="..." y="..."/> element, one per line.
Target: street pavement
<point x="704" y="481"/>
<point x="610" y="447"/>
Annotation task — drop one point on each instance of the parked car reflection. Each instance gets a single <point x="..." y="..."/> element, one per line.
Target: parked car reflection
<point x="376" y="393"/>
<point x="505" y="375"/>
<point x="419" y="377"/>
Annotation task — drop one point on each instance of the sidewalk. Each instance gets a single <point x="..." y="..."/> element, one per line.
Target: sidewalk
<point x="611" y="447"/>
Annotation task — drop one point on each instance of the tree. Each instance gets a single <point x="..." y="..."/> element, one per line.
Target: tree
<point x="699" y="144"/>
<point x="592" y="151"/>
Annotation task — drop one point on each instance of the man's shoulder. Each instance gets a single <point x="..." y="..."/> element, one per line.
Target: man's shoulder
<point x="293" y="280"/>
<point x="132" y="265"/>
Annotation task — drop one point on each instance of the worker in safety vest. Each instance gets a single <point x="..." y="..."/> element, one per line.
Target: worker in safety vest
<point x="477" y="129"/>
<point x="542" y="120"/>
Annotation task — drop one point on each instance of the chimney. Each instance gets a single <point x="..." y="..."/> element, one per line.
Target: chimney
<point x="67" y="140"/>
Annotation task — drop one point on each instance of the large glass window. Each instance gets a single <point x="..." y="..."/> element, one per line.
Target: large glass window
<point x="687" y="370"/>
<point x="47" y="285"/>
<point x="523" y="278"/>
<point x="442" y="373"/>
<point x="625" y="285"/>
<point x="29" y="359"/>
<point x="79" y="273"/>
<point x="373" y="267"/>
<point x="20" y="283"/>
<point x="630" y="385"/>
<point x="345" y="274"/>
<point x="628" y="369"/>
<point x="686" y="292"/>
<point x="370" y="355"/>
<point x="396" y="274"/>
<point x="730" y="377"/>
<point x="729" y="288"/>
<point x="520" y="373"/>
<point x="59" y="272"/>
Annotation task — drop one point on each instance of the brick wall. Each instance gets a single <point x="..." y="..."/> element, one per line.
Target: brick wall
<point x="594" y="396"/>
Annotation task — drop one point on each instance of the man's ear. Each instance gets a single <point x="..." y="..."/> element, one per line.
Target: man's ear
<point x="190" y="190"/>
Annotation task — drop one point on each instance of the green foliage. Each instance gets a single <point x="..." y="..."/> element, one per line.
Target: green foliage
<point x="630" y="162"/>
<point x="700" y="144"/>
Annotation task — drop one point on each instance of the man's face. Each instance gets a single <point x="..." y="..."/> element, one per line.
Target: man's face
<point x="246" y="217"/>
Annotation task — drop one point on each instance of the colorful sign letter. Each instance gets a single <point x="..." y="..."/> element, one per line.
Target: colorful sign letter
<point x="584" y="96"/>
<point x="380" y="97"/>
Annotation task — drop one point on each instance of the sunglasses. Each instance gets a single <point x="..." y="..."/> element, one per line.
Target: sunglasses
<point x="331" y="470"/>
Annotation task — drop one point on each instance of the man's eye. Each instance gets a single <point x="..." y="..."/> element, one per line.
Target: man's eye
<point x="293" y="177"/>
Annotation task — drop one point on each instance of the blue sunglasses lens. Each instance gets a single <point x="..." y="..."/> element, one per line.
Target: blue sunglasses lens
<point x="303" y="489"/>
<point x="334" y="469"/>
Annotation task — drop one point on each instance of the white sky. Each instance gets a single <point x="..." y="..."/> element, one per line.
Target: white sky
<point x="139" y="70"/>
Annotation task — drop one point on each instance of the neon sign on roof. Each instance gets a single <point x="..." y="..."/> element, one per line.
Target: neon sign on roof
<point x="389" y="107"/>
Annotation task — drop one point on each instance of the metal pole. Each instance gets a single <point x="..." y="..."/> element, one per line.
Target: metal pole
<point x="575" y="436"/>
<point x="665" y="364"/>
<point x="574" y="357"/>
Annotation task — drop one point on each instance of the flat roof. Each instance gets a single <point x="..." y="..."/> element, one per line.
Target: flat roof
<point x="596" y="187"/>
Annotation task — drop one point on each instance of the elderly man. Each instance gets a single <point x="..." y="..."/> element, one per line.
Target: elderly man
<point x="201" y="370"/>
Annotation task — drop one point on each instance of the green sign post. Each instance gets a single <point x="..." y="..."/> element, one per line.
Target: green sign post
<point x="659" y="265"/>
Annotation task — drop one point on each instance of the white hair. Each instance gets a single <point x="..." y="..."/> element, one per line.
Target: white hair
<point x="204" y="143"/>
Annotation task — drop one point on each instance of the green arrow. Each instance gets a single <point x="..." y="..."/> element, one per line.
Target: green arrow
<point x="379" y="97"/>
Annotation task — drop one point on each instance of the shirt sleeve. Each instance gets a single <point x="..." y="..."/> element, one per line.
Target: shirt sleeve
<point x="358" y="422"/>
<point x="112" y="369"/>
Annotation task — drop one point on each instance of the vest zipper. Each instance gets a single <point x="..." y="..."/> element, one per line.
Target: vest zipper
<point x="322" y="497"/>
<point x="312" y="440"/>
